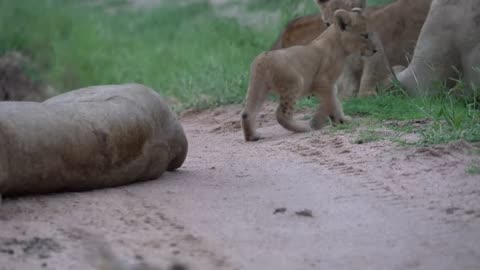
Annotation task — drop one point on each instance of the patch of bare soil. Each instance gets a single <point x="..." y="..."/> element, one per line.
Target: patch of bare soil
<point x="336" y="205"/>
<point x="399" y="173"/>
<point x="226" y="119"/>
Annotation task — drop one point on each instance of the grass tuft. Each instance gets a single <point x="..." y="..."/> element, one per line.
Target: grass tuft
<point x="473" y="169"/>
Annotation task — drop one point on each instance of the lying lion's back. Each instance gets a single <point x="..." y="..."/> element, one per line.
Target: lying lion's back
<point x="89" y="138"/>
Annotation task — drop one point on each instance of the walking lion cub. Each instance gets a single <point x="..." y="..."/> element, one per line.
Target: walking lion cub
<point x="310" y="69"/>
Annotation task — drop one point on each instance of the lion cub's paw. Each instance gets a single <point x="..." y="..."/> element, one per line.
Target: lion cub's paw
<point x="253" y="138"/>
<point x="341" y="120"/>
<point x="345" y="119"/>
<point x="316" y="123"/>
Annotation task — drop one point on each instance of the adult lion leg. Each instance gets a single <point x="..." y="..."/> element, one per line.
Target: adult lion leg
<point x="433" y="59"/>
<point x="376" y="70"/>
<point x="419" y="77"/>
<point x="285" y="115"/>
<point x="255" y="97"/>
<point x="471" y="70"/>
<point x="375" y="73"/>
<point x="349" y="81"/>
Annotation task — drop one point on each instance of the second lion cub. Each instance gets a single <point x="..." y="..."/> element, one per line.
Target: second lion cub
<point x="306" y="70"/>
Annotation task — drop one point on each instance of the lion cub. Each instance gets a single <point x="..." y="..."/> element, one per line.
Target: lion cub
<point x="303" y="70"/>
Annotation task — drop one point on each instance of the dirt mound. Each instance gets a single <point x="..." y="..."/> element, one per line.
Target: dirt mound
<point x="15" y="82"/>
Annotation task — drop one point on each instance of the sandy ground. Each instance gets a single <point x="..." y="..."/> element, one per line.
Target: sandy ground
<point x="237" y="205"/>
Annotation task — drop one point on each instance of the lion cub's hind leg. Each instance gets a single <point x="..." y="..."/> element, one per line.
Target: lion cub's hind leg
<point x="318" y="118"/>
<point x="285" y="112"/>
<point x="255" y="97"/>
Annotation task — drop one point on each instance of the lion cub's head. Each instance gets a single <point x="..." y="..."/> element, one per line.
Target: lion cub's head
<point x="353" y="31"/>
<point x="329" y="7"/>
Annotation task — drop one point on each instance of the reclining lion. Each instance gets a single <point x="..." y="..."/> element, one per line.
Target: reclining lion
<point x="397" y="26"/>
<point x="304" y="70"/>
<point x="96" y="137"/>
<point x="448" y="48"/>
<point x="300" y="31"/>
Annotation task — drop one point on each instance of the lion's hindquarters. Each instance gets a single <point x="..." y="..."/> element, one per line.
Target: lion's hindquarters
<point x="431" y="62"/>
<point x="443" y="51"/>
<point x="179" y="148"/>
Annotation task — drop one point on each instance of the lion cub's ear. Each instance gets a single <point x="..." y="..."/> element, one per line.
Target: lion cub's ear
<point x="322" y="1"/>
<point x="342" y="19"/>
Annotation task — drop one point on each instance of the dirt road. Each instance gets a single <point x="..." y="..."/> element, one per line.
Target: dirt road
<point x="239" y="206"/>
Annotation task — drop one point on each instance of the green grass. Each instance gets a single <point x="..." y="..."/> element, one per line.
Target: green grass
<point x="446" y="117"/>
<point x="438" y="119"/>
<point x="474" y="169"/>
<point x="366" y="136"/>
<point x="190" y="54"/>
<point x="185" y="52"/>
<point x="378" y="2"/>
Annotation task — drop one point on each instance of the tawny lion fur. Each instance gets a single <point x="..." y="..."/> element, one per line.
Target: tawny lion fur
<point x="306" y="70"/>
<point x="96" y="137"/>
<point x="300" y="31"/>
<point x="397" y="26"/>
<point x="448" y="49"/>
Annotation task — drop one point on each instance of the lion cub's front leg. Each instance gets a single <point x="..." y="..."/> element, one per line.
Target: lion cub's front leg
<point x="330" y="106"/>
<point x="337" y="112"/>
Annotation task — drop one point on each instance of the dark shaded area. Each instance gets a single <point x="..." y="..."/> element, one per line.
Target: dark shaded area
<point x="16" y="84"/>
